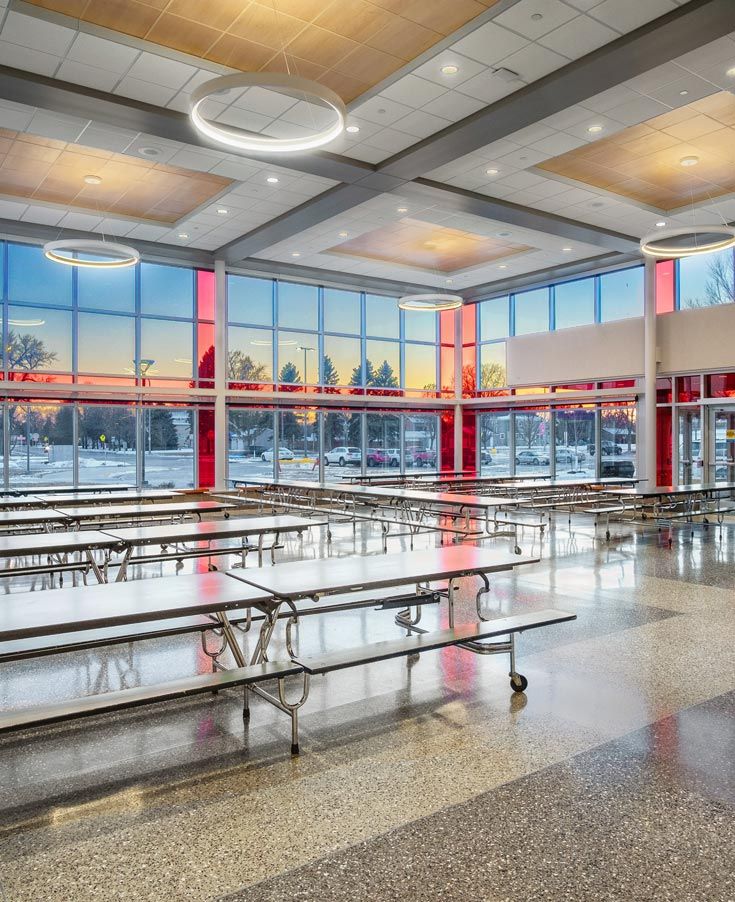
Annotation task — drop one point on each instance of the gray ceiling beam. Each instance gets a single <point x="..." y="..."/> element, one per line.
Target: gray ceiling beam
<point x="522" y="217"/>
<point x="661" y="40"/>
<point x="123" y="112"/>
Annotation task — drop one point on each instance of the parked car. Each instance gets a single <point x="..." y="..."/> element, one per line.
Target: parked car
<point x="570" y="456"/>
<point x="624" y="468"/>
<point x="394" y="457"/>
<point x="608" y="448"/>
<point x="486" y="457"/>
<point x="343" y="456"/>
<point x="376" y="457"/>
<point x="424" y="458"/>
<point x="532" y="458"/>
<point x="283" y="454"/>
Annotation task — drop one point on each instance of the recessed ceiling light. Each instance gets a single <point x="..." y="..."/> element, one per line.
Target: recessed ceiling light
<point x="343" y="234"/>
<point x="731" y="72"/>
<point x="536" y="17"/>
<point x="504" y="234"/>
<point x="402" y="210"/>
<point x="296" y="254"/>
<point x="660" y="224"/>
<point x="683" y="93"/>
<point x="450" y="69"/>
<point x="382" y="111"/>
<point x="689" y="161"/>
<point x="272" y="180"/>
<point x="353" y="129"/>
<point x="503" y="266"/>
<point x="149" y="151"/>
<point x="223" y="211"/>
<point x="597" y="204"/>
<point x="594" y="129"/>
<point x="449" y="281"/>
<point x="92" y="179"/>
<point x="183" y="234"/>
<point x="491" y="171"/>
<point x="566" y="249"/>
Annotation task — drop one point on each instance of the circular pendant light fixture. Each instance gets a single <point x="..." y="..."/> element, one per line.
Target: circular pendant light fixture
<point x="430" y="302"/>
<point x="110" y="254"/>
<point x="688" y="241"/>
<point x="293" y="85"/>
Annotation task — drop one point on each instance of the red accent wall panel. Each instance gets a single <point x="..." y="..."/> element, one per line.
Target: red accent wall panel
<point x="665" y="290"/>
<point x="205" y="447"/>
<point x="469" y="441"/>
<point x="205" y="350"/>
<point x="664" y="446"/>
<point x="205" y="294"/>
<point x="446" y="426"/>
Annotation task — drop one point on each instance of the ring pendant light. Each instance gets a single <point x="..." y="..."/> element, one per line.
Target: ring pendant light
<point x="114" y="255"/>
<point x="688" y="241"/>
<point x="309" y="91"/>
<point x="430" y="302"/>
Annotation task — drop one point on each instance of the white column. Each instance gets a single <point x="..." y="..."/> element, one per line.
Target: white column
<point x="648" y="459"/>
<point x="220" y="375"/>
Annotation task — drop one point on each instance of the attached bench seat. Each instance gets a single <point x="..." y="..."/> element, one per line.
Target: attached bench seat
<point x="411" y="645"/>
<point x="143" y="695"/>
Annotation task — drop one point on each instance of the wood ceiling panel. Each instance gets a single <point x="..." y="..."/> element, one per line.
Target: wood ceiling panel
<point x="644" y="162"/>
<point x="424" y="245"/>
<point x="379" y="36"/>
<point x="38" y="169"/>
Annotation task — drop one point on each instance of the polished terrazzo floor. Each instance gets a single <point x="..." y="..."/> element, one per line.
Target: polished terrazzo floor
<point x="611" y="778"/>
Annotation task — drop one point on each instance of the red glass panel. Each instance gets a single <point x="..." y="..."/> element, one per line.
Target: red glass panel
<point x="665" y="292"/>
<point x="446" y="426"/>
<point x="494" y="393"/>
<point x="251" y="386"/>
<point x="532" y="390"/>
<point x="469" y="441"/>
<point x="45" y="378"/>
<point x="688" y="388"/>
<point x="446" y="369"/>
<point x="205" y="447"/>
<point x="664" y="446"/>
<point x="469" y="371"/>
<point x="469" y="325"/>
<point x="720" y="385"/>
<point x="663" y="390"/>
<point x="205" y="350"/>
<point x="618" y="383"/>
<point x="165" y="383"/>
<point x="206" y="383"/>
<point x="106" y="380"/>
<point x="579" y="386"/>
<point x="205" y="294"/>
<point x="446" y="327"/>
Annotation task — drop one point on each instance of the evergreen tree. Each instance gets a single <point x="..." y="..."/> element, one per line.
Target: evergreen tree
<point x="289" y="373"/>
<point x="162" y="430"/>
<point x="384" y="377"/>
<point x="330" y="376"/>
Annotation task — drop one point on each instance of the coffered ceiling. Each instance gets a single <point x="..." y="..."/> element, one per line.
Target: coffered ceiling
<point x="490" y="140"/>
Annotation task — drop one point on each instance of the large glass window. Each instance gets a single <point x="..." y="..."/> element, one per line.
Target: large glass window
<point x="383" y="364"/>
<point x="35" y="279"/>
<point x="168" y="447"/>
<point x="495" y="319"/>
<point x="299" y="442"/>
<point x="342" y="443"/>
<point x="420" y="366"/>
<point x="112" y="290"/>
<point x="250" y="354"/>
<point x="532" y="443"/>
<point x="166" y="290"/>
<point x="532" y="311"/>
<point x="41" y="444"/>
<point x="298" y="358"/>
<point x="421" y="440"/>
<point x="574" y="303"/>
<point x="341" y="364"/>
<point x="617" y="440"/>
<point x="382" y="316"/>
<point x="575" y="442"/>
<point x="341" y="311"/>
<point x="166" y="348"/>
<point x="420" y="326"/>
<point x="39" y="339"/>
<point x="706" y="280"/>
<point x="250" y="300"/>
<point x="250" y="444"/>
<point x="494" y="431"/>
<point x="106" y="444"/>
<point x="298" y="306"/>
<point x="621" y="294"/>
<point x="383" y="440"/>
<point x="106" y="344"/>
<point x="493" y="372"/>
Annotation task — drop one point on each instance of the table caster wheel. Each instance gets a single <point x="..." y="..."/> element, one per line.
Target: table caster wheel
<point x="518" y="683"/>
<point x="517" y="549"/>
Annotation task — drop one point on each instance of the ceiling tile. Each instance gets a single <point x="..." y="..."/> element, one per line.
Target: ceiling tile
<point x="413" y="91"/>
<point x="422" y="124"/>
<point x="109" y="55"/>
<point x="453" y="106"/>
<point x="381" y="110"/>
<point x="161" y="71"/>
<point x="432" y="69"/>
<point x="37" y="34"/>
<point x="28" y="60"/>
<point x="578" y="37"/>
<point x="489" y="44"/>
<point x="625" y="15"/>
<point x="81" y="74"/>
<point x="488" y="87"/>
<point x="533" y="62"/>
<point x="145" y="91"/>
<point x="534" y="18"/>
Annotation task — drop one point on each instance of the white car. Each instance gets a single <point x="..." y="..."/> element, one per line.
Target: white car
<point x="343" y="456"/>
<point x="283" y="454"/>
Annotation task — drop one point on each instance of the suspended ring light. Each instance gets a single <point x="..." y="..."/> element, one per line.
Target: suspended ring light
<point x="114" y="255"/>
<point x="687" y="241"/>
<point x="308" y="90"/>
<point x="432" y="302"/>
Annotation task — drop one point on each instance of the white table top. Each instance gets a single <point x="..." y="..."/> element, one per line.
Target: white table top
<point x="209" y="530"/>
<point x="324" y="576"/>
<point x="54" y="543"/>
<point x="122" y="511"/>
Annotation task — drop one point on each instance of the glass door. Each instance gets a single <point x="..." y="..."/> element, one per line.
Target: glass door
<point x="722" y="445"/>
<point x="690" y="446"/>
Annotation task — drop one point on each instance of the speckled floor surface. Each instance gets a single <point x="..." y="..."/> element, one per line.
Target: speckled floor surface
<point x="611" y="778"/>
